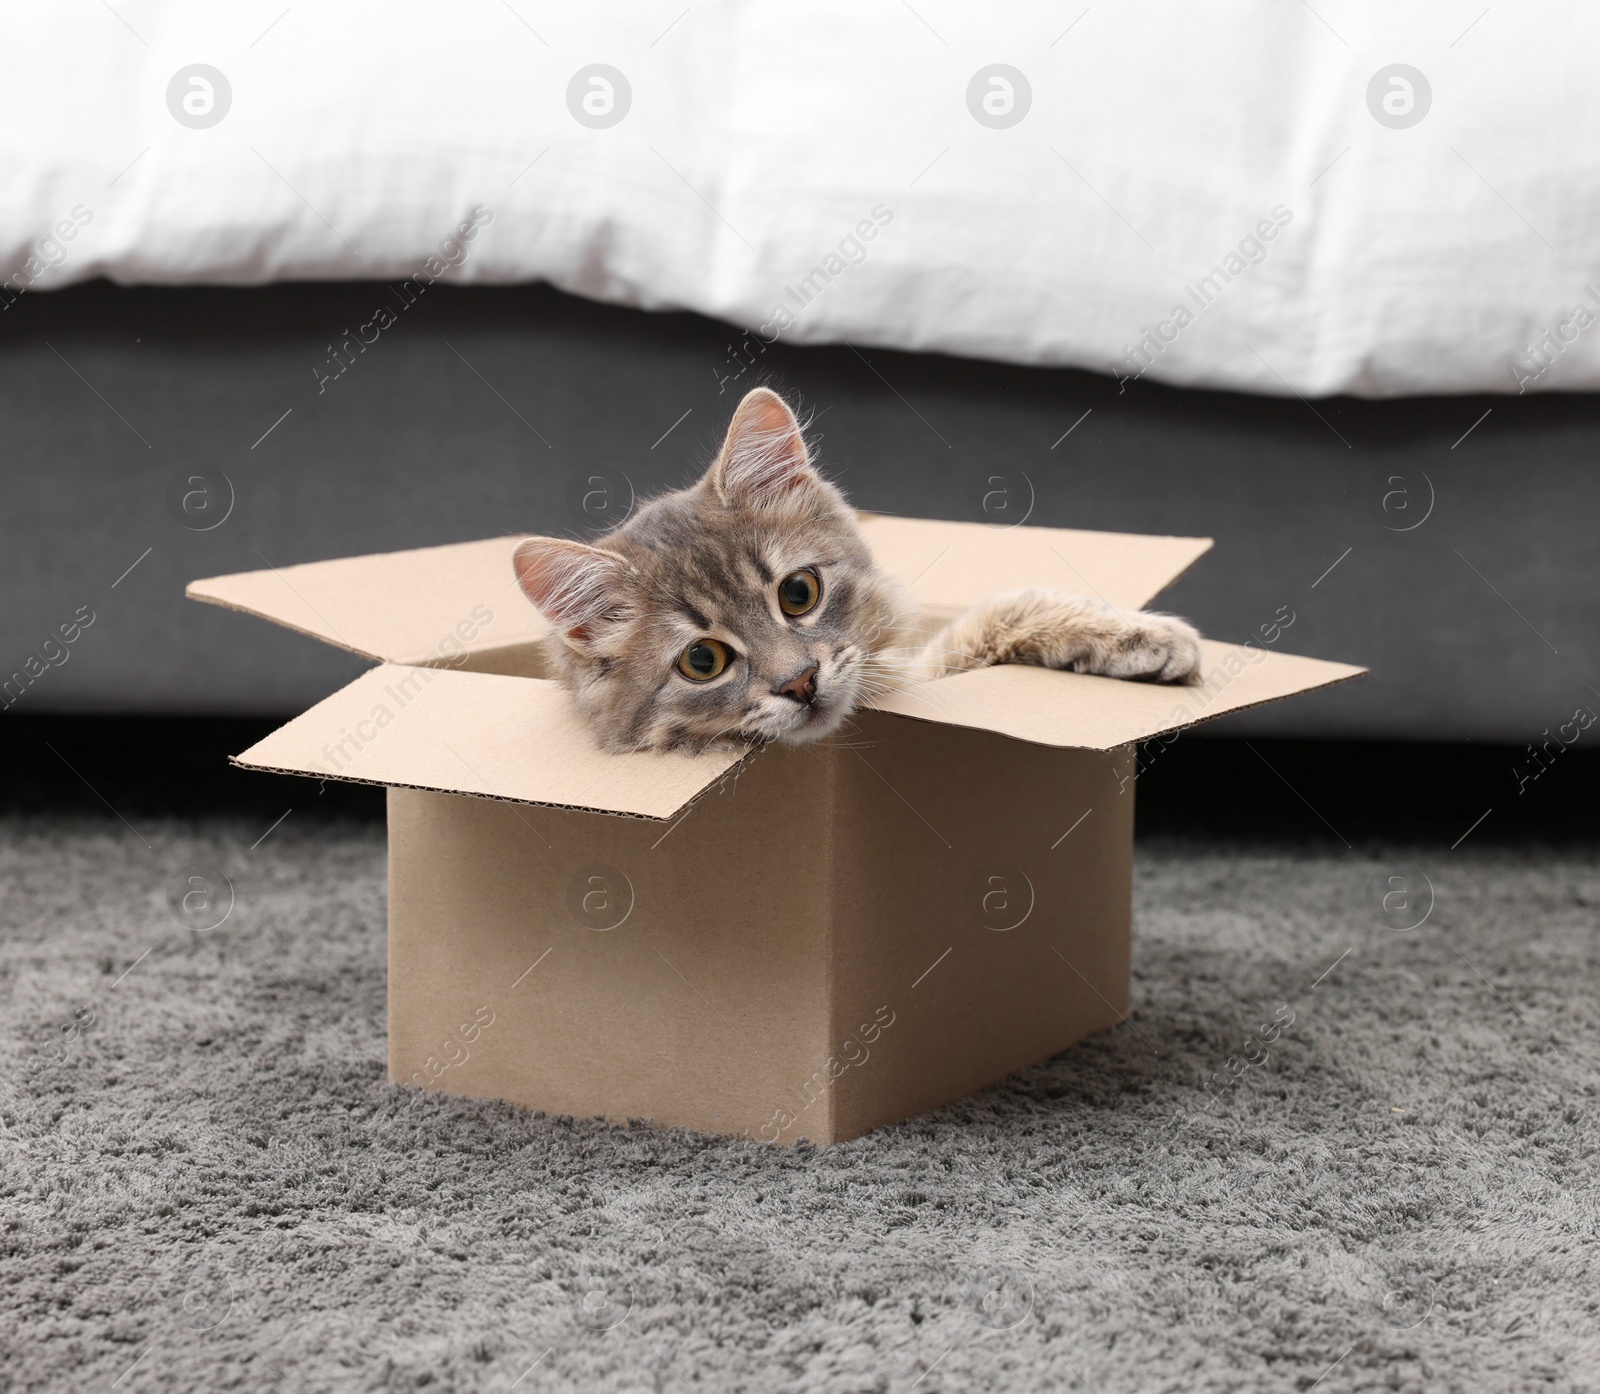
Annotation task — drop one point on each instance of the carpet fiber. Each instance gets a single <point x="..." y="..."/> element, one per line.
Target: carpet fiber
<point x="208" y="1184"/>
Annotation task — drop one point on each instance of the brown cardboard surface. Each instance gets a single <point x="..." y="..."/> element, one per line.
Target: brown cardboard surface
<point x="981" y="906"/>
<point x="950" y="566"/>
<point x="430" y="604"/>
<point x="750" y="971"/>
<point x="478" y="733"/>
<point x="826" y="938"/>
<point x="424" y="606"/>
<point x="1050" y="707"/>
<point x="693" y="993"/>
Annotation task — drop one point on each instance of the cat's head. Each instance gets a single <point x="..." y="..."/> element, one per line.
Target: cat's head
<point x="743" y="609"/>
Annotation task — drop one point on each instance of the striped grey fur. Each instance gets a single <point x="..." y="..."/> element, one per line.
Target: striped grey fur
<point x="708" y="562"/>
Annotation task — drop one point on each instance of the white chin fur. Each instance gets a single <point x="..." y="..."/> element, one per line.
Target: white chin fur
<point x="823" y="723"/>
<point x="801" y="725"/>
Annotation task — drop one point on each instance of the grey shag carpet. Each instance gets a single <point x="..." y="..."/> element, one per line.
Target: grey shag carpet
<point x="211" y="1186"/>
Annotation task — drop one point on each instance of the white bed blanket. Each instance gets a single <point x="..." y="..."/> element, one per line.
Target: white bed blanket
<point x="1279" y="196"/>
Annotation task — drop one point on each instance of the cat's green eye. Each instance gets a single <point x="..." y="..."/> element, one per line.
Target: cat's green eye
<point x="799" y="592"/>
<point x="703" y="660"/>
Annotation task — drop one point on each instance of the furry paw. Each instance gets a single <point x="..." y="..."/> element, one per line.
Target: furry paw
<point x="1047" y="629"/>
<point x="1158" y="648"/>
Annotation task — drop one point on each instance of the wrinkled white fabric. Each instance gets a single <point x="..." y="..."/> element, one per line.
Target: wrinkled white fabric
<point x="760" y="140"/>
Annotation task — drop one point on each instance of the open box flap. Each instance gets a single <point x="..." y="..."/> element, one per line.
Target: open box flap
<point x="951" y="566"/>
<point x="520" y="739"/>
<point x="1094" y="713"/>
<point x="424" y="606"/>
<point x="430" y="604"/>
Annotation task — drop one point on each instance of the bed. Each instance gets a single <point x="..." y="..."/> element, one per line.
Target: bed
<point x="1312" y="281"/>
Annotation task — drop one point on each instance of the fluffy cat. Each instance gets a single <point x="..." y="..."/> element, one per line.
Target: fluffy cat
<point x="747" y="608"/>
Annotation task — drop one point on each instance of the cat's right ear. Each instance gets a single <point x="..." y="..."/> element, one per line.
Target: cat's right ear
<point x="578" y="589"/>
<point x="764" y="457"/>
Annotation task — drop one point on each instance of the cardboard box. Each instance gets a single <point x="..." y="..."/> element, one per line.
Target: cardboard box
<point x="809" y="942"/>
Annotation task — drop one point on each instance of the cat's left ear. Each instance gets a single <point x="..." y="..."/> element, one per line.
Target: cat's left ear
<point x="764" y="457"/>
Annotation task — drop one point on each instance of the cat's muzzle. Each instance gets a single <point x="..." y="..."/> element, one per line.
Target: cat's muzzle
<point x="801" y="688"/>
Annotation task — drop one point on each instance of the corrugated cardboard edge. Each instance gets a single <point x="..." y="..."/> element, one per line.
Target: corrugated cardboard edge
<point x="205" y="590"/>
<point x="190" y="593"/>
<point x="1200" y="720"/>
<point x="1337" y="681"/>
<point x="830" y="937"/>
<point x="867" y="516"/>
<point x="681" y="811"/>
<point x="484" y="659"/>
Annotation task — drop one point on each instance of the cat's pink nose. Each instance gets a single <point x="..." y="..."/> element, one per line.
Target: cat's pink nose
<point x="802" y="687"/>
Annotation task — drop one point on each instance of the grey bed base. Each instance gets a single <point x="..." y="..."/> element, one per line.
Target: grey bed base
<point x="1448" y="543"/>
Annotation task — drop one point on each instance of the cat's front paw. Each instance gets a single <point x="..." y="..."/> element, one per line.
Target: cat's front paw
<point x="1163" y="648"/>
